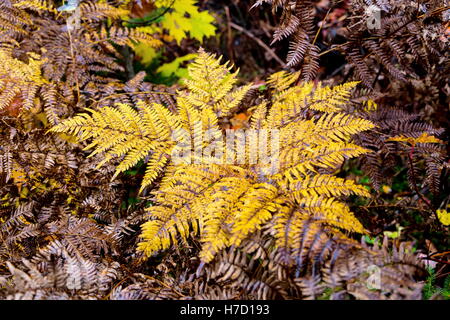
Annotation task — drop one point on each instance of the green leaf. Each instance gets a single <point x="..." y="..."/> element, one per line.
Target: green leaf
<point x="146" y="53"/>
<point x="173" y="68"/>
<point x="177" y="25"/>
<point x="185" y="6"/>
<point x="202" y="26"/>
<point x="186" y="19"/>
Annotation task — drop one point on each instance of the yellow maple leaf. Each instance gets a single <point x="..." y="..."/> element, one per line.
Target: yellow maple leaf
<point x="443" y="216"/>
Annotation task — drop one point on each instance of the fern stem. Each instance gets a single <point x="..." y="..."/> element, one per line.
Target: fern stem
<point x="416" y="189"/>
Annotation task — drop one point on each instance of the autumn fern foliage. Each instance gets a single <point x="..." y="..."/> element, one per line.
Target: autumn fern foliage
<point x="264" y="231"/>
<point x="276" y="229"/>
<point x="149" y="130"/>
<point x="57" y="55"/>
<point x="385" y="35"/>
<point x="329" y="267"/>
<point x="19" y="81"/>
<point x="421" y="150"/>
<point x="226" y="203"/>
<point x="297" y="22"/>
<point x="101" y="170"/>
<point x="76" y="44"/>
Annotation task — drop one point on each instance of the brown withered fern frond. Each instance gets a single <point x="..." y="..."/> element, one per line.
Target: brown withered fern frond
<point x="76" y="50"/>
<point x="297" y="23"/>
<point x="48" y="252"/>
<point x="425" y="163"/>
<point x="386" y="36"/>
<point x="61" y="277"/>
<point x="327" y="267"/>
<point x="130" y="92"/>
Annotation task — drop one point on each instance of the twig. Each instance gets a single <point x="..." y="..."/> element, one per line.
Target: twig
<point x="413" y="177"/>
<point x="229" y="35"/>
<point x="321" y="25"/>
<point x="260" y="42"/>
<point x="72" y="53"/>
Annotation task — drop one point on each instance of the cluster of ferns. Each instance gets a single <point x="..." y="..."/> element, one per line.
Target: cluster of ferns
<point x="75" y="138"/>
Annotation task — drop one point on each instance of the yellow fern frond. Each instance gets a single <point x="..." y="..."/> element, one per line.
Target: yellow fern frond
<point x="223" y="203"/>
<point x="328" y="99"/>
<point x="127" y="134"/>
<point x="423" y="138"/>
<point x="258" y="119"/>
<point x="220" y="214"/>
<point x="37" y="5"/>
<point x="160" y="232"/>
<point x="289" y="104"/>
<point x="211" y="85"/>
<point x="324" y="185"/>
<point x="340" y="126"/>
<point x="230" y="205"/>
<point x="183" y="207"/>
<point x="19" y="80"/>
<point x="331" y="212"/>
<point x="282" y="80"/>
<point x="298" y="161"/>
<point x="253" y="210"/>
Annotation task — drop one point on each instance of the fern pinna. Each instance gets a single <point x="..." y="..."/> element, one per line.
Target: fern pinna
<point x="224" y="202"/>
<point x="149" y="129"/>
<point x="384" y="34"/>
<point x="60" y="55"/>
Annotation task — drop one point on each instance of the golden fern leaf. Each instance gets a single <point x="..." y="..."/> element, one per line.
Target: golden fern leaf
<point x="225" y="203"/>
<point x="282" y="80"/>
<point x="37" y="5"/>
<point x="210" y="85"/>
<point x="258" y="118"/>
<point x="340" y="126"/>
<point x="229" y="203"/>
<point x="331" y="212"/>
<point x="288" y="104"/>
<point x="160" y="232"/>
<point x="253" y="210"/>
<point x="219" y="214"/>
<point x="298" y="161"/>
<point x="153" y="131"/>
<point x="19" y="80"/>
<point x="328" y="99"/>
<point x="423" y="138"/>
<point x="324" y="185"/>
<point x="230" y="208"/>
<point x="127" y="134"/>
<point x="182" y="207"/>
